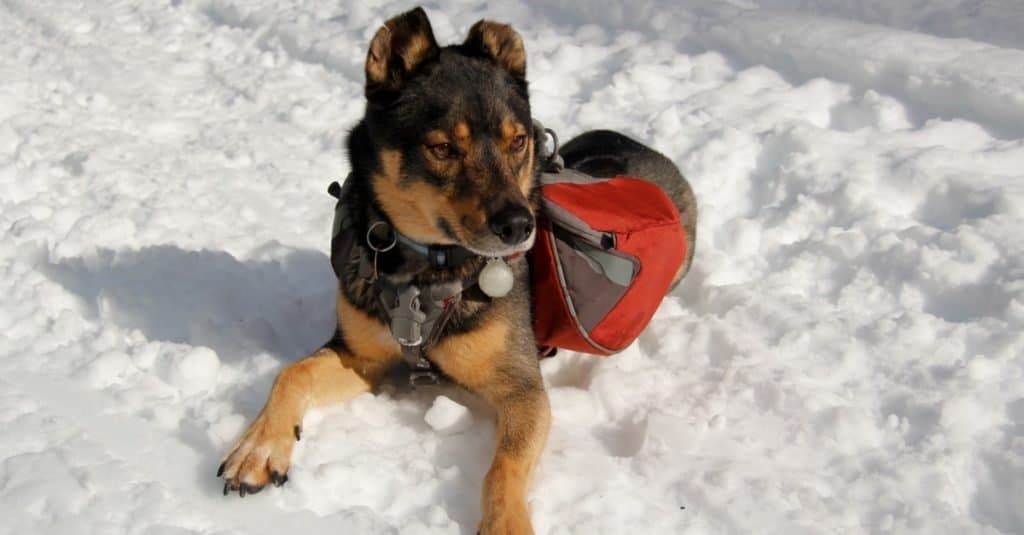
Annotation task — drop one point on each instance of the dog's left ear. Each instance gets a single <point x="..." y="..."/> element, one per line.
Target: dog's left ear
<point x="500" y="43"/>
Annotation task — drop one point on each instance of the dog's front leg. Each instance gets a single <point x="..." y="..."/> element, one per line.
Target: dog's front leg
<point x="500" y="365"/>
<point x="263" y="453"/>
<point x="522" y="429"/>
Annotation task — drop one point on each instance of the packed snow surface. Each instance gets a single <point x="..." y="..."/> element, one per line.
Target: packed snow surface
<point x="846" y="356"/>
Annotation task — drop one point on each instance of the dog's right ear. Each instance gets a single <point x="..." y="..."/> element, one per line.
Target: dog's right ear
<point x="400" y="47"/>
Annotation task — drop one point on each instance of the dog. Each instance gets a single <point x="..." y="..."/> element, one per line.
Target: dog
<point x="447" y="158"/>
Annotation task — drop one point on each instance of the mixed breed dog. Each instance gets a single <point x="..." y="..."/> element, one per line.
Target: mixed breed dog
<point x="445" y="184"/>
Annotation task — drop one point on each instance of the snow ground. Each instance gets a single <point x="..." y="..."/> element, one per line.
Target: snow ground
<point x="846" y="356"/>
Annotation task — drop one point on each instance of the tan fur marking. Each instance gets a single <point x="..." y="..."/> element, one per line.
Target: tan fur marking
<point x="469" y="148"/>
<point x="435" y="137"/>
<point x="377" y="57"/>
<point x="526" y="177"/>
<point x="524" y="419"/>
<point x="415" y="51"/>
<point x="503" y="500"/>
<point x="320" y="379"/>
<point x="461" y="130"/>
<point x="503" y="43"/>
<point x="413" y="208"/>
<point x="480" y="360"/>
<point x="509" y="130"/>
<point x="406" y="38"/>
<point x="470" y="358"/>
<point x="363" y="334"/>
<point x="391" y="163"/>
<point x="469" y="215"/>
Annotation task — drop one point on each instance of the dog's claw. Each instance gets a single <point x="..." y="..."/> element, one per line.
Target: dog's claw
<point x="298" y="433"/>
<point x="220" y="471"/>
<point x="245" y="488"/>
<point x="278" y="479"/>
<point x="227" y="487"/>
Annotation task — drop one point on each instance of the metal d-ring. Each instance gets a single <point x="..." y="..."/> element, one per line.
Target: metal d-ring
<point x="375" y="248"/>
<point x="554" y="139"/>
<point x="553" y="157"/>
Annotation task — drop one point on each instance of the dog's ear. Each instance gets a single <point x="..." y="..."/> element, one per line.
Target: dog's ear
<point x="398" y="48"/>
<point x="500" y="43"/>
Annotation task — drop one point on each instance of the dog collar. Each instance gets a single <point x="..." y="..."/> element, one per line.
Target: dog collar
<point x="381" y="237"/>
<point x="439" y="256"/>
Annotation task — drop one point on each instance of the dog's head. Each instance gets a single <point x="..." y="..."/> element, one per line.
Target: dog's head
<point x="452" y="134"/>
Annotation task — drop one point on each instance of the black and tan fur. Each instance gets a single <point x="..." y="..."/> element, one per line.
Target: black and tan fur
<point x="447" y="148"/>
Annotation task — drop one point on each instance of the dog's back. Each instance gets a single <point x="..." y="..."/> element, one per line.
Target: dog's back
<point x="604" y="153"/>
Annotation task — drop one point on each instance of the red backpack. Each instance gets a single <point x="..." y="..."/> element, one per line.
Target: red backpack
<point x="607" y="252"/>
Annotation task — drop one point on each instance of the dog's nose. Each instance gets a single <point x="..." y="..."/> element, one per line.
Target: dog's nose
<point x="513" y="224"/>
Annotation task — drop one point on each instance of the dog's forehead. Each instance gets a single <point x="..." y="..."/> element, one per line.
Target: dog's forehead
<point x="472" y="92"/>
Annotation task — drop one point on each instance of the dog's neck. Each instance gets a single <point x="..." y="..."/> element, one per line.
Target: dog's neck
<point x="401" y="259"/>
<point x="381" y="260"/>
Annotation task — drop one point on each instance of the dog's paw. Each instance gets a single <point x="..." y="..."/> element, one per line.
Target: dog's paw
<point x="513" y="520"/>
<point x="261" y="456"/>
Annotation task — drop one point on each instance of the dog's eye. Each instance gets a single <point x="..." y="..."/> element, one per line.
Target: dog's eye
<point x="441" y="151"/>
<point x="518" y="143"/>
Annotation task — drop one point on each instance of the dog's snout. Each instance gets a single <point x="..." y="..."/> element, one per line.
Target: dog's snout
<point x="513" y="224"/>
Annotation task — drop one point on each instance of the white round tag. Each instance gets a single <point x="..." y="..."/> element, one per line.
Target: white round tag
<point x="496" y="278"/>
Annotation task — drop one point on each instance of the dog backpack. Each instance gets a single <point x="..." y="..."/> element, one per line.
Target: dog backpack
<point x="607" y="252"/>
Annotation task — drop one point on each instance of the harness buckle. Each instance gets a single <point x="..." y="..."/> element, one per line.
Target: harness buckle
<point x="407" y="317"/>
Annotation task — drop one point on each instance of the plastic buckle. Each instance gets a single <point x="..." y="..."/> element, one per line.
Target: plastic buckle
<point x="407" y="317"/>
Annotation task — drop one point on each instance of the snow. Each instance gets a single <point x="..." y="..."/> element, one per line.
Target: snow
<point x="447" y="416"/>
<point x="846" y="356"/>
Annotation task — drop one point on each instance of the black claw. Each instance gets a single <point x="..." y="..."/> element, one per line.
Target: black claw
<point x="298" y="433"/>
<point x="245" y="488"/>
<point x="220" y="471"/>
<point x="227" y="487"/>
<point x="278" y="479"/>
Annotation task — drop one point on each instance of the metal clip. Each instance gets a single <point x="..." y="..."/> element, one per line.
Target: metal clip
<point x="407" y="317"/>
